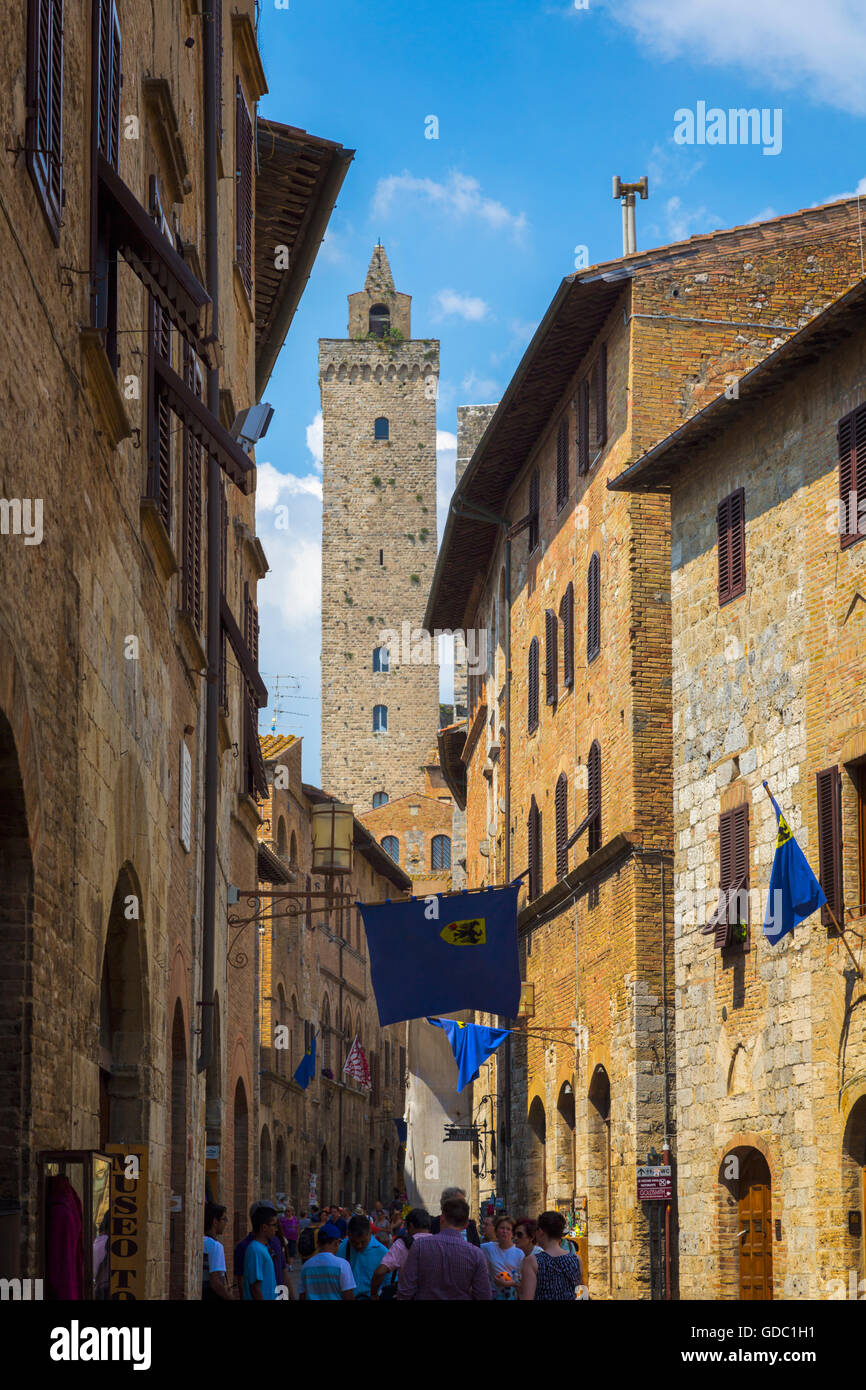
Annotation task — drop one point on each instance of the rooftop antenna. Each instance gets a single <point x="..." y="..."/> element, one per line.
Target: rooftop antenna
<point x="625" y="192"/>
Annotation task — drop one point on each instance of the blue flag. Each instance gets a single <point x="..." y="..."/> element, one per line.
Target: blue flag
<point x="795" y="892"/>
<point x="307" y="1066"/>
<point x="444" y="953"/>
<point x="471" y="1043"/>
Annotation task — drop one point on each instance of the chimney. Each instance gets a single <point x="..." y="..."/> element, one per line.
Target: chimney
<point x="625" y="192"/>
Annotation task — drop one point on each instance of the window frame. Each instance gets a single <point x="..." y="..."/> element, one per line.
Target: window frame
<point x="443" y="842"/>
<point x="244" y="187"/>
<point x="831" y="863"/>
<point x="396" y="841"/>
<point x="378" y="437"/>
<point x="382" y="727"/>
<point x="852" y="473"/>
<point x="560" y="801"/>
<point x="551" y="657"/>
<point x="566" y="617"/>
<point x="731" y="546"/>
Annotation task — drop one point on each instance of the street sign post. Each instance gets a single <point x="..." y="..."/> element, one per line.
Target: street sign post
<point x="654" y="1183"/>
<point x="465" y="1134"/>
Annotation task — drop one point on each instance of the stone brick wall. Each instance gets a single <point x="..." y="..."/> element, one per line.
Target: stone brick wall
<point x="768" y="686"/>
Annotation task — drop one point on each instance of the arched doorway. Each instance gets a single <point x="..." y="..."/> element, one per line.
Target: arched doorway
<point x="123" y="1028"/>
<point x="280" y="1171"/>
<point x="177" y="1158"/>
<point x="266" y="1176"/>
<point x="600" y="1202"/>
<point x="854" y="1188"/>
<point x="746" y="1224"/>
<point x="564" y="1154"/>
<point x="537" y="1166"/>
<point x="16" y="908"/>
<point x="241" y="1137"/>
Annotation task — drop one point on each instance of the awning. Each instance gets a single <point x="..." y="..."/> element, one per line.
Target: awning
<point x="150" y="254"/>
<point x="243" y="654"/>
<point x="271" y="868"/>
<point x="205" y="426"/>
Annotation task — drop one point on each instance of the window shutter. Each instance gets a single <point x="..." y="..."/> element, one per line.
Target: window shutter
<point x="731" y="526"/>
<point x="533" y="510"/>
<point x="257" y="780"/>
<point x="583" y="428"/>
<point x="851" y="440"/>
<point x="534" y="846"/>
<point x="733" y="879"/>
<point x="561" y="804"/>
<point x="566" y="615"/>
<point x="599" y="379"/>
<point x="593" y="799"/>
<point x="218" y="66"/>
<point x="562" y="480"/>
<point x="551" y="632"/>
<point x="532" y="687"/>
<point x="192" y="502"/>
<point x="159" y="412"/>
<point x="44" y="136"/>
<point x="830" y="843"/>
<point x="224" y="551"/>
<point x="108" y="77"/>
<point x="593" y="608"/>
<point x="244" y="189"/>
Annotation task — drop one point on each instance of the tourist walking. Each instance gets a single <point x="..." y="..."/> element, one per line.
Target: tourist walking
<point x="363" y="1252"/>
<point x="504" y="1259"/>
<point x="417" y="1226"/>
<point x="274" y="1245"/>
<point x="446" y="1266"/>
<point x="471" y="1231"/>
<point x="325" y="1278"/>
<point x="554" y="1274"/>
<point x="381" y="1224"/>
<point x="289" y="1225"/>
<point x="259" y="1280"/>
<point x="214" y="1288"/>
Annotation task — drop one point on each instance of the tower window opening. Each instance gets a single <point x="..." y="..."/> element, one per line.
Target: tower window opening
<point x="381" y="557"/>
<point x="380" y="799"/>
<point x="380" y="719"/>
<point x="381" y="429"/>
<point x="381" y="659"/>
<point x="380" y="320"/>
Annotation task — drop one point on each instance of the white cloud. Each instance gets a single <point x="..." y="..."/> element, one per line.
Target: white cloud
<point x="794" y="45"/>
<point x="858" y="192"/>
<point x="460" y="197"/>
<point x="465" y="306"/>
<point x="765" y="215"/>
<point x="683" y="222"/>
<point x="315" y="432"/>
<point x="479" y="390"/>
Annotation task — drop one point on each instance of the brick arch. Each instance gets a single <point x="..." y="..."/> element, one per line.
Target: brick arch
<point x="727" y="1213"/>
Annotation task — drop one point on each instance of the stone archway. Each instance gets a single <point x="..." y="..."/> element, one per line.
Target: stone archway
<point x="854" y="1190"/>
<point x="124" y="1033"/>
<point x="537" y="1158"/>
<point x="600" y="1195"/>
<point x="563" y="1153"/>
<point x="745" y="1224"/>
<point x="16" y="909"/>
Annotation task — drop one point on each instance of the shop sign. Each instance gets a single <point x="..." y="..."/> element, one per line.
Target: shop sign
<point x="127" y="1222"/>
<point x="654" y="1183"/>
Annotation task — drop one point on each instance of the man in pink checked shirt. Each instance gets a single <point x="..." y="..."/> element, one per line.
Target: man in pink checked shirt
<point x="445" y="1266"/>
<point x="417" y="1227"/>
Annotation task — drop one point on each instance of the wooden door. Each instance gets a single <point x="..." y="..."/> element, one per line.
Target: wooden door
<point x="755" y="1230"/>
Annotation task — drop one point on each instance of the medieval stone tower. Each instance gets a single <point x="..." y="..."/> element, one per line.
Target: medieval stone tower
<point x="380" y="713"/>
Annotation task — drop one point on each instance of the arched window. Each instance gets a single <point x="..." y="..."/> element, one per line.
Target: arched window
<point x="380" y="799"/>
<point x="593" y="800"/>
<point x="281" y="838"/>
<point x="593" y="608"/>
<point x="381" y="429"/>
<point x="380" y="719"/>
<point x="561" y="805"/>
<point x="534" y="844"/>
<point x="380" y="320"/>
<point x="382" y="659"/>
<point x="293" y="849"/>
<point x="391" y="845"/>
<point x="532" y="688"/>
<point x="327" y="1052"/>
<point x="440" y="852"/>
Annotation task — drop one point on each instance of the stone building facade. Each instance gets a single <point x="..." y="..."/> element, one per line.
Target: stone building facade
<point x="334" y="1137"/>
<point x="768" y="684"/>
<point x="566" y="765"/>
<point x="380" y="698"/>
<point x="132" y="338"/>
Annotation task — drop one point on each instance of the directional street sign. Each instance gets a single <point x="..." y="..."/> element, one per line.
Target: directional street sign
<point x="654" y="1183"/>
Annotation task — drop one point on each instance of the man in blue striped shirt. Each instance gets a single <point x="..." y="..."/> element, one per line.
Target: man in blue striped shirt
<point x="325" y="1278"/>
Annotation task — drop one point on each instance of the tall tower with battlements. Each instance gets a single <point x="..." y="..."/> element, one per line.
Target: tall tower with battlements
<point x="380" y="698"/>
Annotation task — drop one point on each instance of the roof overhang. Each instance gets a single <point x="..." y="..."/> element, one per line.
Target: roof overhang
<point x="271" y="868"/>
<point x="299" y="179"/>
<point x="656" y="469"/>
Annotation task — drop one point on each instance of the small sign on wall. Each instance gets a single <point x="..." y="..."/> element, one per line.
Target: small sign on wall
<point x="185" y="798"/>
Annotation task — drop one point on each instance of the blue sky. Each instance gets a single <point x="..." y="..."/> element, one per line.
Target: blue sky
<point x="539" y="104"/>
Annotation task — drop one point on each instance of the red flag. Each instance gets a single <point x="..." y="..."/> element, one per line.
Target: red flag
<point x="356" y="1064"/>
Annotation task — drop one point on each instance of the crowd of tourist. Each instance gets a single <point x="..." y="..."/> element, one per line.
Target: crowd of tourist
<point x="402" y="1254"/>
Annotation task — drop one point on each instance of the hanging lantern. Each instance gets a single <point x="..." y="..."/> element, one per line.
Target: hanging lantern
<point x="333" y="833"/>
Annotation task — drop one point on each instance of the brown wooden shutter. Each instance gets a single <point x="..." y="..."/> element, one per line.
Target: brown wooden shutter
<point x="851" y="441"/>
<point x="731" y="918"/>
<point x="599" y="381"/>
<point x="583" y="428"/>
<point x="533" y="510"/>
<point x="192" y="502"/>
<point x="593" y="799"/>
<point x="593" y="608"/>
<point x="108" y="74"/>
<point x="566" y="613"/>
<point x="561" y="806"/>
<point x="533" y="827"/>
<point x="257" y="780"/>
<point x="562" y="481"/>
<point x="829" y="788"/>
<point x="159" y="419"/>
<point x="44" y="134"/>
<point x="731" y="527"/>
<point x="224" y="551"/>
<point x="244" y="189"/>
<point x="551" y="647"/>
<point x="532" y="687"/>
<point x="218" y="75"/>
